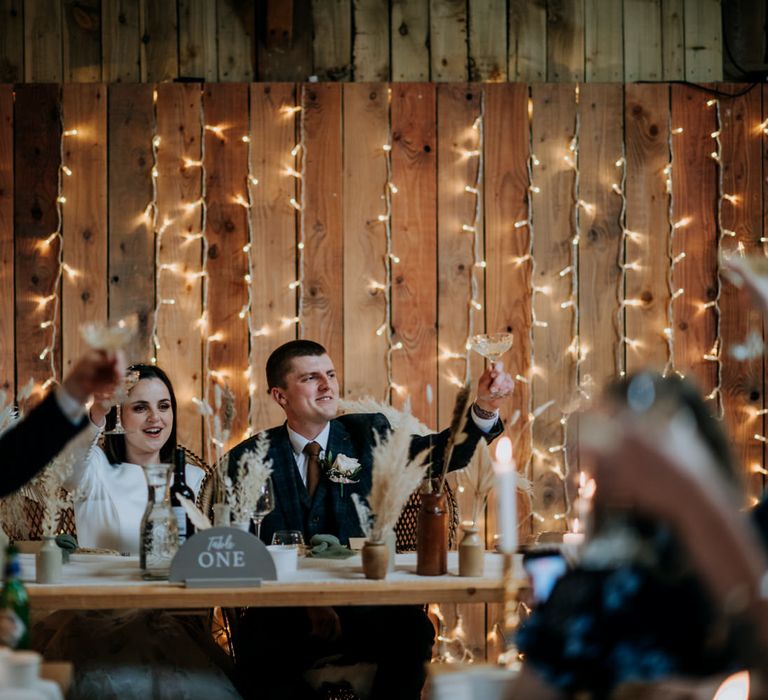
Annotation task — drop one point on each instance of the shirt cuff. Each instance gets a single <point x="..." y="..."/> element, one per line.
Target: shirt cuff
<point x="484" y="425"/>
<point x="69" y="405"/>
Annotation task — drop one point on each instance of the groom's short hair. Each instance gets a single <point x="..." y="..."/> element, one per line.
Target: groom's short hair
<point x="279" y="362"/>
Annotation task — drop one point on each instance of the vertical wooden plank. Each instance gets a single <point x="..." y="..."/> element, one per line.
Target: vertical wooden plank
<point x="642" y="40"/>
<point x="694" y="191"/>
<point x="322" y="293"/>
<point x="290" y="59"/>
<point x="197" y="40"/>
<point x="554" y="113"/>
<point x="458" y="106"/>
<point x="703" y="40"/>
<point x="409" y="40"/>
<point x="11" y="41"/>
<point x="227" y="231"/>
<point x="603" y="39"/>
<point x="448" y="39"/>
<point x="488" y="41"/>
<point x="743" y="382"/>
<point x="744" y="36"/>
<point x="82" y="41"/>
<point x="508" y="275"/>
<point x="565" y="40"/>
<point x="36" y="163"/>
<point x="370" y="55"/>
<point x="528" y="40"/>
<point x="414" y="302"/>
<point x="366" y="130"/>
<point x="646" y="121"/>
<point x="236" y="22"/>
<point x="178" y="195"/>
<point x="120" y="41"/>
<point x="672" y="40"/>
<point x="159" y="41"/>
<point x="7" y="331"/>
<point x="601" y="110"/>
<point x="273" y="135"/>
<point x="131" y="239"/>
<point x="84" y="294"/>
<point x="42" y="42"/>
<point x="332" y="45"/>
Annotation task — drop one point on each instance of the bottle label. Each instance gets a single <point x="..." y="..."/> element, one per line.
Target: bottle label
<point x="181" y="521"/>
<point x="12" y="628"/>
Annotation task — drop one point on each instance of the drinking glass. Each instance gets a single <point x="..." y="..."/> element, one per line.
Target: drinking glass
<point x="491" y="346"/>
<point x="159" y="530"/>
<point x="101" y="335"/>
<point x="265" y="504"/>
<point x="289" y="538"/>
<point x="130" y="380"/>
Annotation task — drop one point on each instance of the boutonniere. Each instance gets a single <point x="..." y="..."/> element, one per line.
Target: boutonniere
<point x="342" y="470"/>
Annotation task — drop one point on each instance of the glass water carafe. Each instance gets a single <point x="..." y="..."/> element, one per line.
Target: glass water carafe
<point x="159" y="537"/>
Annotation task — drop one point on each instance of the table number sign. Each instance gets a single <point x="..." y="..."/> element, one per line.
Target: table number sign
<point x="222" y="556"/>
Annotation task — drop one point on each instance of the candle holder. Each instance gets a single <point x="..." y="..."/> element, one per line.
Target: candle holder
<point x="510" y="657"/>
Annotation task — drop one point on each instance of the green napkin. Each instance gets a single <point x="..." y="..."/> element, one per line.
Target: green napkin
<point x="67" y="543"/>
<point x="328" y="547"/>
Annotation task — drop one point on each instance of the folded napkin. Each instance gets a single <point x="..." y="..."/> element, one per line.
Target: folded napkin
<point x="328" y="547"/>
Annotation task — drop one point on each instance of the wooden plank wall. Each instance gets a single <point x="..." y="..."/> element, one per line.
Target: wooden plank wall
<point x="234" y="182"/>
<point x="364" y="40"/>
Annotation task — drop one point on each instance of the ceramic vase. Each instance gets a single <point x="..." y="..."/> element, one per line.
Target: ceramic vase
<point x="471" y="553"/>
<point x="222" y="515"/>
<point x="432" y="535"/>
<point x="48" y="562"/>
<point x="375" y="559"/>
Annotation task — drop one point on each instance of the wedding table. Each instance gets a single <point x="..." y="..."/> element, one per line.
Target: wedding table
<point x="99" y="581"/>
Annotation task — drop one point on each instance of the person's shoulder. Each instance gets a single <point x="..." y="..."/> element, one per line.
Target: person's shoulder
<point x="248" y="443"/>
<point x="354" y="422"/>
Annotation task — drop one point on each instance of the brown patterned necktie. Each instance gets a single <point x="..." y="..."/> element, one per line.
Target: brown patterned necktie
<point x="312" y="450"/>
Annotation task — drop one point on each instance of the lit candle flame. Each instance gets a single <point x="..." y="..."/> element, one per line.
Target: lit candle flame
<point x="735" y="687"/>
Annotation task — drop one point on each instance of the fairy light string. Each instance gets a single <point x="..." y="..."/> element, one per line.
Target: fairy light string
<point x="715" y="354"/>
<point x="623" y="341"/>
<point x="298" y="155"/>
<point x="247" y="311"/>
<point x="474" y="306"/>
<point x="390" y="259"/>
<point x="674" y="260"/>
<point x="152" y="215"/>
<point x="51" y="324"/>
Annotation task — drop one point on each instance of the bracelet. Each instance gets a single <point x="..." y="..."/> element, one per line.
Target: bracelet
<point x="482" y="413"/>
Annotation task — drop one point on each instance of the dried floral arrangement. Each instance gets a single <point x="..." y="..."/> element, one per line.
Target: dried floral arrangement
<point x="253" y="470"/>
<point x="395" y="478"/>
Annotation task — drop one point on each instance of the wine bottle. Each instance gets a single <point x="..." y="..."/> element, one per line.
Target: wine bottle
<point x="180" y="488"/>
<point x="14" y="604"/>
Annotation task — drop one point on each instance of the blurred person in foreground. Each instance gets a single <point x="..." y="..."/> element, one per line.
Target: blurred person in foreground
<point x="38" y="437"/>
<point x="668" y="582"/>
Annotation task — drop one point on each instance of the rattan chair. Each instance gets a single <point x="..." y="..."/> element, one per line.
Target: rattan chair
<point x="405" y="529"/>
<point x="66" y="523"/>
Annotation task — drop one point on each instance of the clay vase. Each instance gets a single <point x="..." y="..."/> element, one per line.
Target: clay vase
<point x="48" y="562"/>
<point x="432" y="535"/>
<point x="471" y="553"/>
<point x="375" y="559"/>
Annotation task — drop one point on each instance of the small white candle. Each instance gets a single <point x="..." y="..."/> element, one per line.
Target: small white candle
<point x="506" y="495"/>
<point x="573" y="538"/>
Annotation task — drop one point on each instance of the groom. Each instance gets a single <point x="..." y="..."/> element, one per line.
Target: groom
<point x="302" y="380"/>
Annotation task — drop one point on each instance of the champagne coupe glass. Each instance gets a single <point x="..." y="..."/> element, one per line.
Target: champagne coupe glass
<point x="130" y="380"/>
<point x="491" y="346"/>
<point x="265" y="504"/>
<point x="111" y="337"/>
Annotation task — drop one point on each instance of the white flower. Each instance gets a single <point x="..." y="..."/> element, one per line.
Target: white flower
<point x="344" y="470"/>
<point x="346" y="465"/>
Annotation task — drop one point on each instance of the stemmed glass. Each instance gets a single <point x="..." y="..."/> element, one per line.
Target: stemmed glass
<point x="111" y="337"/>
<point x="130" y="380"/>
<point x="265" y="504"/>
<point x="491" y="346"/>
